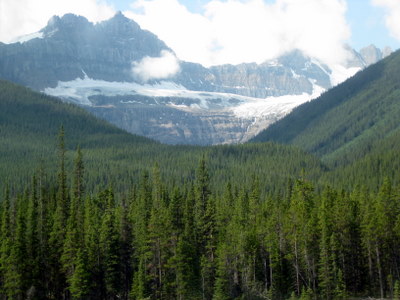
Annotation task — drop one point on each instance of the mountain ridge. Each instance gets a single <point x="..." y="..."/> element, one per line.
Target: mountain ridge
<point x="78" y="61"/>
<point x="349" y="120"/>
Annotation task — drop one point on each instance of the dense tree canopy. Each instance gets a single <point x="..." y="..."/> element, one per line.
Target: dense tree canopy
<point x="92" y="212"/>
<point x="190" y="240"/>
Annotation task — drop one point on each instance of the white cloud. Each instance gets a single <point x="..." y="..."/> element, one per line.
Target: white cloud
<point x="226" y="31"/>
<point x="236" y="31"/>
<point x="20" y="17"/>
<point x="392" y="17"/>
<point x="165" y="66"/>
<point x="188" y="34"/>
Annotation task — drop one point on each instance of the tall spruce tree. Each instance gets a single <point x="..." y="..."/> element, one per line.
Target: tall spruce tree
<point x="59" y="222"/>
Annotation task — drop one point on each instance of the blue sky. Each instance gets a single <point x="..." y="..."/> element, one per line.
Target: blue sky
<point x="367" y="23"/>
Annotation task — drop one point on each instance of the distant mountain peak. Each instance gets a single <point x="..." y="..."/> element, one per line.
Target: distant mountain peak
<point x="386" y="51"/>
<point x="120" y="24"/>
<point x="97" y="65"/>
<point x="67" y="23"/>
<point x="68" y="20"/>
<point x="53" y="21"/>
<point x="120" y="15"/>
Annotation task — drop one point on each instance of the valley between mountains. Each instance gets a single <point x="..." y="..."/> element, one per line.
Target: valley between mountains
<point x="123" y="180"/>
<point x="108" y="68"/>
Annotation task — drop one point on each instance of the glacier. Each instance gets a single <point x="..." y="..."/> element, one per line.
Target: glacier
<point x="252" y="114"/>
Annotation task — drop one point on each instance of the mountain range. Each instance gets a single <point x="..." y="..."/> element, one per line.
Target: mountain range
<point x="308" y="209"/>
<point x="110" y="69"/>
<point x="354" y="125"/>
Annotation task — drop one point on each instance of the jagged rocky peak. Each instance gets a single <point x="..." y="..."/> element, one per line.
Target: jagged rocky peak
<point x="120" y="25"/>
<point x="366" y="56"/>
<point x="371" y="54"/>
<point x="303" y="66"/>
<point x="354" y="59"/>
<point x="67" y="26"/>
<point x="386" y="51"/>
<point x="125" y="34"/>
<point x="67" y="21"/>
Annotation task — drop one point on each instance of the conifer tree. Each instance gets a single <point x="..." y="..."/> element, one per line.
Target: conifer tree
<point x="74" y="228"/>
<point x="160" y="241"/>
<point x="396" y="293"/>
<point x="299" y="232"/>
<point x="126" y="251"/>
<point x="91" y="245"/>
<point x="326" y="280"/>
<point x="208" y="263"/>
<point x="186" y="261"/>
<point x="4" y="236"/>
<point x="109" y="243"/>
<point x="202" y="190"/>
<point x="79" y="169"/>
<point x="59" y="222"/>
<point x="139" y="216"/>
<point x="16" y="282"/>
<point x="62" y="192"/>
<point x="222" y="285"/>
<point x="79" y="281"/>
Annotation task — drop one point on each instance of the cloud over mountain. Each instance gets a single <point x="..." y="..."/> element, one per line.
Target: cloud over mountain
<point x="26" y="16"/>
<point x="392" y="17"/>
<point x="238" y="31"/>
<point x="165" y="66"/>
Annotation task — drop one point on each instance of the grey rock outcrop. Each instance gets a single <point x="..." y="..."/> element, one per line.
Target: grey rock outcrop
<point x="386" y="51"/>
<point x="371" y="54"/>
<point x="71" y="46"/>
<point x="174" y="126"/>
<point x="366" y="56"/>
<point x="291" y="74"/>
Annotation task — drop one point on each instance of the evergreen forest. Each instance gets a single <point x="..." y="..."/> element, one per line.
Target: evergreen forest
<point x="88" y="211"/>
<point x="191" y="241"/>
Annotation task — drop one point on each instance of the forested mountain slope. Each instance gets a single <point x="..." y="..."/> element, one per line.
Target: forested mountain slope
<point x="349" y="121"/>
<point x="30" y="122"/>
<point x="36" y="115"/>
<point x="128" y="218"/>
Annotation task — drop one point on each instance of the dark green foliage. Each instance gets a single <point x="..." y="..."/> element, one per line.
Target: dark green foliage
<point x="190" y="241"/>
<point x="353" y="126"/>
<point x="79" y="282"/>
<point x="29" y="123"/>
<point x="224" y="222"/>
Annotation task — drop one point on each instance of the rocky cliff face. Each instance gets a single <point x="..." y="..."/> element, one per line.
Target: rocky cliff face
<point x="71" y="46"/>
<point x="160" y="119"/>
<point x="367" y="56"/>
<point x="291" y="74"/>
<point x="91" y="65"/>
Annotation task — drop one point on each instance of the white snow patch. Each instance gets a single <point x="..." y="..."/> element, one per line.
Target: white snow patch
<point x="294" y="74"/>
<point x="273" y="63"/>
<point x="278" y="106"/>
<point x="80" y="90"/>
<point x="51" y="33"/>
<point x="28" y="37"/>
<point x="319" y="65"/>
<point x="341" y="73"/>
